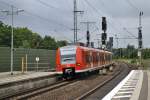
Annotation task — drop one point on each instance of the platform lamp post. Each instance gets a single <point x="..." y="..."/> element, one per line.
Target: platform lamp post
<point x="12" y="13"/>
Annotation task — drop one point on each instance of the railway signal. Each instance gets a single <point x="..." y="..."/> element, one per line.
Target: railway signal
<point x="140" y="43"/>
<point x="104" y="24"/>
<point x="104" y="35"/>
<point x="88" y="38"/>
<point x="140" y="38"/>
<point x="88" y="31"/>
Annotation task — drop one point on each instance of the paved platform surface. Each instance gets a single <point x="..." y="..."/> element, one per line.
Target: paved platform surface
<point x="6" y="77"/>
<point x="136" y="86"/>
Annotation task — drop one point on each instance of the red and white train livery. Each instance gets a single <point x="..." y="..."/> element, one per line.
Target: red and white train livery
<point x="77" y="59"/>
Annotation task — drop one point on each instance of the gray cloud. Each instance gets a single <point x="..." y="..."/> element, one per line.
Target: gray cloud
<point x="55" y="17"/>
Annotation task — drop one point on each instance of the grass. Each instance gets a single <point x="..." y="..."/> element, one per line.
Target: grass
<point x="131" y="61"/>
<point x="145" y="62"/>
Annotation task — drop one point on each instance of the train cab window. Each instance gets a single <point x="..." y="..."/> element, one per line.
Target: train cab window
<point x="68" y="59"/>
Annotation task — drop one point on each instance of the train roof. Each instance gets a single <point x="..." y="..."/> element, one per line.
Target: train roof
<point x="73" y="47"/>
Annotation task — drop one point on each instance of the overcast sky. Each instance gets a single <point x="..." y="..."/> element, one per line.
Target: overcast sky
<point x="55" y="18"/>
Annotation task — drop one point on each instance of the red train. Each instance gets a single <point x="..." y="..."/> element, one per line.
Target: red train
<point x="78" y="59"/>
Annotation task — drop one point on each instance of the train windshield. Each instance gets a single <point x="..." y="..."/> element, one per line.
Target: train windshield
<point x="68" y="59"/>
<point x="68" y="55"/>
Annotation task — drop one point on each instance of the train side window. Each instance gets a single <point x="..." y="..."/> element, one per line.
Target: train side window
<point x="106" y="57"/>
<point x="97" y="57"/>
<point x="100" y="57"/>
<point x="109" y="57"/>
<point x="91" y="58"/>
<point x="94" y="58"/>
<point x="84" y="56"/>
<point x="103" y="57"/>
<point x="87" y="59"/>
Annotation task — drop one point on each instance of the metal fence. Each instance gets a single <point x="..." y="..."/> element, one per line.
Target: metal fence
<point x="46" y="59"/>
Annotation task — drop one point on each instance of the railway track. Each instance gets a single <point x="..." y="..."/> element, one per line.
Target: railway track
<point x="96" y="87"/>
<point x="66" y="89"/>
<point x="71" y="91"/>
<point x="91" y="94"/>
<point x="34" y="92"/>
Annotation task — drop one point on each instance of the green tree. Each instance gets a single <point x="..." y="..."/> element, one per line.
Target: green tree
<point x="49" y="43"/>
<point x="25" y="38"/>
<point x="5" y="34"/>
<point x="61" y="43"/>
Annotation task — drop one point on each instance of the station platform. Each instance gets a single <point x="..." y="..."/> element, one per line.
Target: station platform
<point x="136" y="86"/>
<point x="6" y="77"/>
<point x="21" y="82"/>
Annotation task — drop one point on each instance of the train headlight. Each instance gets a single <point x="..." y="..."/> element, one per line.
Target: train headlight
<point x="78" y="64"/>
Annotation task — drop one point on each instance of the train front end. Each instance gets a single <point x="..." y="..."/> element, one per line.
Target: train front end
<point x="66" y="61"/>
